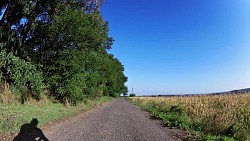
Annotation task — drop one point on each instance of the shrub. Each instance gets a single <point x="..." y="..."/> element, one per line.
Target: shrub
<point x="132" y="95"/>
<point x="24" y="78"/>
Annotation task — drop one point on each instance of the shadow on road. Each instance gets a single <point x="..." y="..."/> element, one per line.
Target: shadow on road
<point x="30" y="132"/>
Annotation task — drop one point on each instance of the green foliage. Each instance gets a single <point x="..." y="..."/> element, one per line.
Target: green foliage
<point x="241" y="129"/>
<point x="176" y="116"/>
<point x="75" y="29"/>
<point x="218" y="138"/>
<point x="69" y="77"/>
<point x="68" y="40"/>
<point x="132" y="95"/>
<point x="23" y="76"/>
<point x="173" y="117"/>
<point x="14" y="115"/>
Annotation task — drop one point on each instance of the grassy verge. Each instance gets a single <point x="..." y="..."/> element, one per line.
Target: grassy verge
<point x="12" y="116"/>
<point x="212" y="118"/>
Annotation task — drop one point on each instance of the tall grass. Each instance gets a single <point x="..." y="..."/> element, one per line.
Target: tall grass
<point x="12" y="116"/>
<point x="221" y="115"/>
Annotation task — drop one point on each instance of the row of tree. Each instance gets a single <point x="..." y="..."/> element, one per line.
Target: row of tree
<point x="57" y="46"/>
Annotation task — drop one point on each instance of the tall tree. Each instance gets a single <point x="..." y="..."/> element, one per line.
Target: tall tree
<point x="65" y="42"/>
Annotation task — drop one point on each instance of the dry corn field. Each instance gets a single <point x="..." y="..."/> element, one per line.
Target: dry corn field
<point x="219" y="114"/>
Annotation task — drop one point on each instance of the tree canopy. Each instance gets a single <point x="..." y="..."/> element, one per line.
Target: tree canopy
<point x="58" y="46"/>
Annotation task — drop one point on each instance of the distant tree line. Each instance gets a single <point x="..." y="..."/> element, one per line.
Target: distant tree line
<point x="58" y="47"/>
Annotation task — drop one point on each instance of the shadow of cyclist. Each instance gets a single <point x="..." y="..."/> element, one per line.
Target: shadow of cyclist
<point x="30" y="132"/>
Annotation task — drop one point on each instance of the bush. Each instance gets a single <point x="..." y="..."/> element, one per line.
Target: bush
<point x="24" y="78"/>
<point x="173" y="117"/>
<point x="69" y="77"/>
<point x="132" y="95"/>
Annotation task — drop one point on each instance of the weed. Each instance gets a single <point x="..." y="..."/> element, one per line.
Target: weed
<point x="223" y="116"/>
<point x="12" y="116"/>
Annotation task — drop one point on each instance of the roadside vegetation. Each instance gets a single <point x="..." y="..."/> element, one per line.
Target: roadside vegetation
<point x="13" y="116"/>
<point x="212" y="118"/>
<point x="132" y="95"/>
<point x="54" y="60"/>
<point x="59" y="49"/>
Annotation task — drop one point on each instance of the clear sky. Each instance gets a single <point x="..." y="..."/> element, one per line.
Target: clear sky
<point x="181" y="46"/>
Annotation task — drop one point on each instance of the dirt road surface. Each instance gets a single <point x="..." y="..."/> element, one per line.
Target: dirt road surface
<point x="116" y="121"/>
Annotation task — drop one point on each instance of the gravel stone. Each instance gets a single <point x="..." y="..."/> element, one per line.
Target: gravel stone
<point x="116" y="121"/>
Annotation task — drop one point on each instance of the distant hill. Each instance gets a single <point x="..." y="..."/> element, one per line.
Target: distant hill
<point x="239" y="91"/>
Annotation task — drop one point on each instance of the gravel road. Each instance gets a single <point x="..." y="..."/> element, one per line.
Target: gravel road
<point x="116" y="121"/>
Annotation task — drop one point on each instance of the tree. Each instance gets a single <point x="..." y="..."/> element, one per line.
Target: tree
<point x="79" y="43"/>
<point x="64" y="44"/>
<point x="25" y="77"/>
<point x="132" y="95"/>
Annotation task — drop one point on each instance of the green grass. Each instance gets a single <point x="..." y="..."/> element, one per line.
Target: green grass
<point x="177" y="118"/>
<point x="12" y="116"/>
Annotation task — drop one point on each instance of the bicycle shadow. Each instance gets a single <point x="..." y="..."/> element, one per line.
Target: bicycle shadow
<point x="30" y="132"/>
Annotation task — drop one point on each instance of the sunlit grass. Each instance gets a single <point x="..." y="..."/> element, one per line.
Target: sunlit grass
<point x="218" y="115"/>
<point x="12" y="116"/>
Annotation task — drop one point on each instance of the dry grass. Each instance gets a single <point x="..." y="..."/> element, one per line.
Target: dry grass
<point x="7" y="97"/>
<point x="220" y="114"/>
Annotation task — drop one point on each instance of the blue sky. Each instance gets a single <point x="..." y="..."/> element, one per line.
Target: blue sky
<point x="181" y="46"/>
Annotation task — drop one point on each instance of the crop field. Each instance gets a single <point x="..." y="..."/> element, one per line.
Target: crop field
<point x="219" y="117"/>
